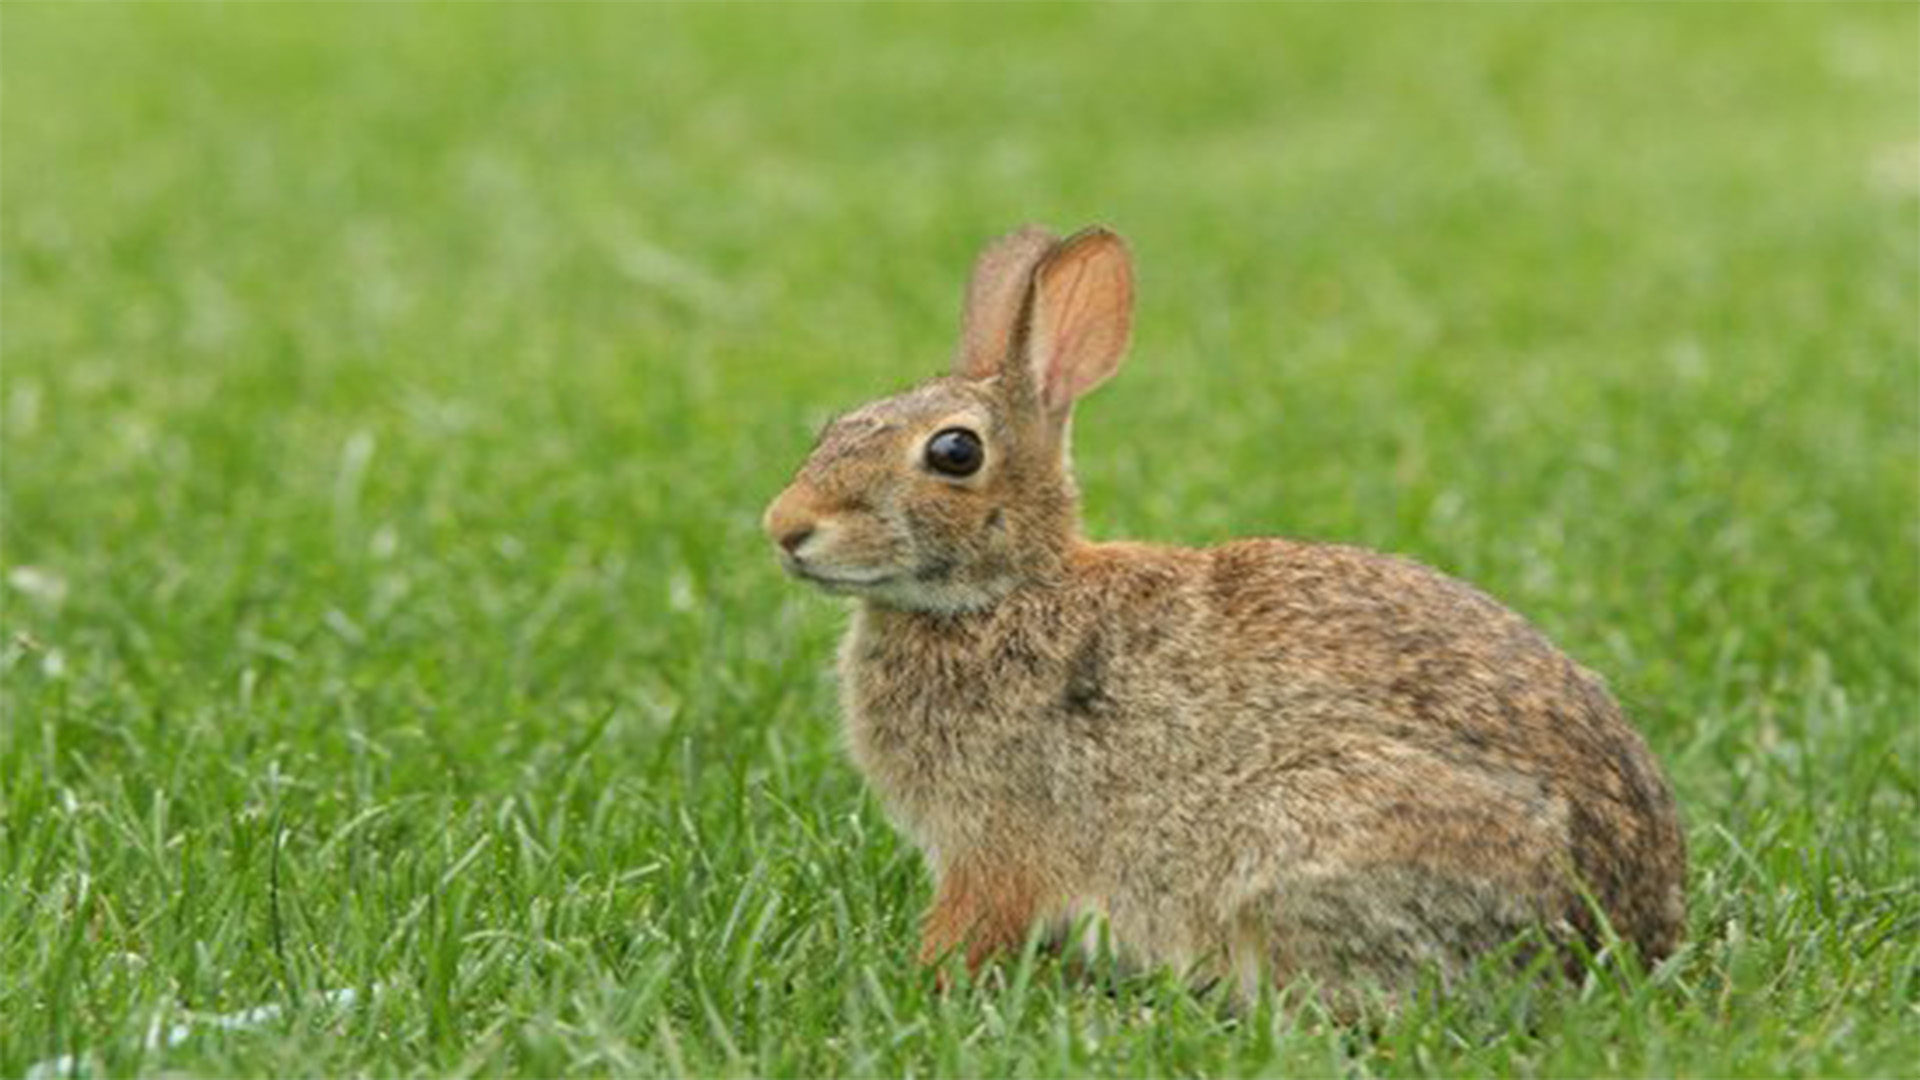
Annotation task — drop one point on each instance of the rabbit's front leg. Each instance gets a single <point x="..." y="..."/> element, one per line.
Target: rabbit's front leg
<point x="986" y="905"/>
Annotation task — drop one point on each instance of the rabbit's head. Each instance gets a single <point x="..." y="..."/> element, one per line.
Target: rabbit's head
<point x="947" y="496"/>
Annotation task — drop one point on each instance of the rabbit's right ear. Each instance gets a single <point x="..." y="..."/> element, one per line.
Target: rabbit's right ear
<point x="997" y="301"/>
<point x="1080" y="317"/>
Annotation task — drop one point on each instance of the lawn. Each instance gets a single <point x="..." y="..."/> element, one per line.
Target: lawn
<point x="390" y="397"/>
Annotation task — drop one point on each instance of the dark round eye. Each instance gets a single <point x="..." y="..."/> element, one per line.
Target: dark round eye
<point x="955" y="452"/>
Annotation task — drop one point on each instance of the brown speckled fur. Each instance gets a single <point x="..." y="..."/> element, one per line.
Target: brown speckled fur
<point x="1263" y="760"/>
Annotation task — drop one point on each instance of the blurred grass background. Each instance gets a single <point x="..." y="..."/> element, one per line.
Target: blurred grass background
<point x="390" y="394"/>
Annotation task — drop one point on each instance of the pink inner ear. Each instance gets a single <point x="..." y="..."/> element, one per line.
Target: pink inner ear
<point x="1069" y="335"/>
<point x="1086" y="307"/>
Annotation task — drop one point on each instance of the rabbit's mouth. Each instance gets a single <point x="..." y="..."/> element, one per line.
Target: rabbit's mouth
<point x="838" y="582"/>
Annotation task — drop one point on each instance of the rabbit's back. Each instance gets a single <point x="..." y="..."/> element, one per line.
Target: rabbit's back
<point x="1401" y="766"/>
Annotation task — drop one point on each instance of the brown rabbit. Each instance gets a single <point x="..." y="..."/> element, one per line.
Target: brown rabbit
<point x="1268" y="759"/>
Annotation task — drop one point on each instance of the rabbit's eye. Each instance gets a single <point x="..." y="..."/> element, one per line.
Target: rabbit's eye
<point x="955" y="452"/>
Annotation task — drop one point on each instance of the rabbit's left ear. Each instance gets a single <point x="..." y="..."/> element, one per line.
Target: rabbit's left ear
<point x="1081" y="315"/>
<point x="997" y="301"/>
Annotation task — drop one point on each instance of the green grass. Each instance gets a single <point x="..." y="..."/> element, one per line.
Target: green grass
<point x="390" y="397"/>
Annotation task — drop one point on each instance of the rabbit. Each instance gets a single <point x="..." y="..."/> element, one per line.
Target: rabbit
<point x="1266" y="761"/>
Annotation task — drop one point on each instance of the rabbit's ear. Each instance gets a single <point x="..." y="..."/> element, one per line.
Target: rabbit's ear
<point x="1082" y="312"/>
<point x="997" y="301"/>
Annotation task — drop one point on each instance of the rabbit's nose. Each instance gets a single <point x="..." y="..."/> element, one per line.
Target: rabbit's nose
<point x="794" y="537"/>
<point x="790" y="521"/>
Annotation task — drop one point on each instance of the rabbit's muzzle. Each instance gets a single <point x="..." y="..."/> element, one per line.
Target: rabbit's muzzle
<point x="822" y="544"/>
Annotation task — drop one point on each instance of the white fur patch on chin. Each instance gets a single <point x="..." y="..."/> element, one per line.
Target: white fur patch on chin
<point x="932" y="598"/>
